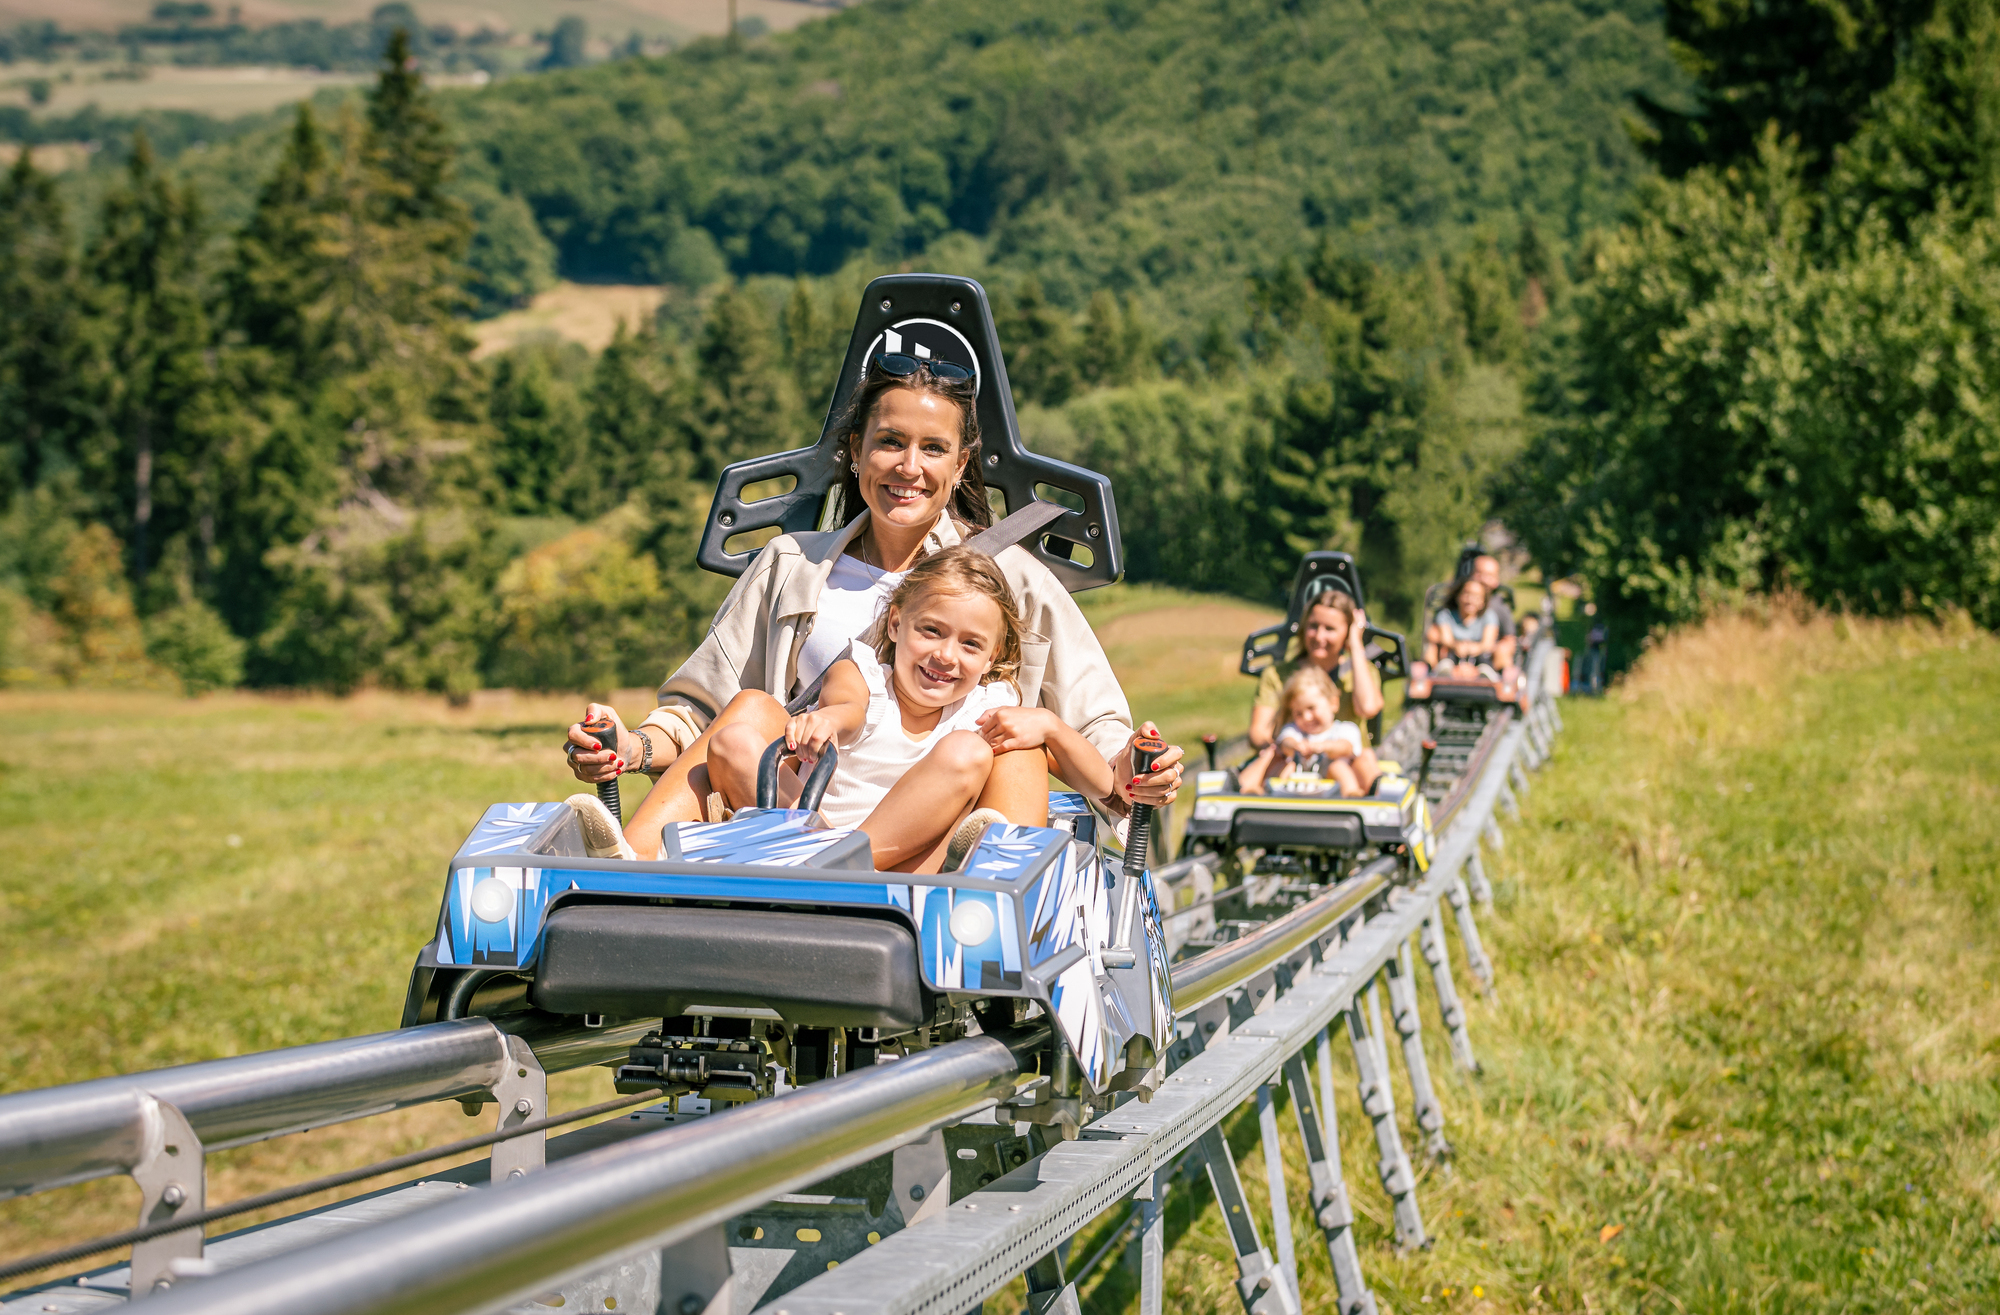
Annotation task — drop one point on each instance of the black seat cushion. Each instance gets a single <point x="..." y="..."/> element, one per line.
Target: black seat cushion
<point x="820" y="970"/>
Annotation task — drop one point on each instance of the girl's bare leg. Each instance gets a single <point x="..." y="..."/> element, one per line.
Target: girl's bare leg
<point x="1367" y="768"/>
<point x="1018" y="786"/>
<point x="682" y="789"/>
<point x="908" y="828"/>
<point x="1343" y="772"/>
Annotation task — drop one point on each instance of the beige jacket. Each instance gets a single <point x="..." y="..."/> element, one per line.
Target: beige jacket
<point x="754" y="641"/>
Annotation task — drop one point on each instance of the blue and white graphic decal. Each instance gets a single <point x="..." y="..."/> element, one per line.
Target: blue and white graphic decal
<point x="1008" y="853"/>
<point x="1069" y="907"/>
<point x="1161" y="974"/>
<point x="1065" y="803"/>
<point x="490" y="913"/>
<point x="511" y="936"/>
<point x="773" y="838"/>
<point x="508" y="828"/>
<point x="971" y="939"/>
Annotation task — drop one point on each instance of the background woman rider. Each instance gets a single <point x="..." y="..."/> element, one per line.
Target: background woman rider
<point x="1330" y="638"/>
<point x="913" y="486"/>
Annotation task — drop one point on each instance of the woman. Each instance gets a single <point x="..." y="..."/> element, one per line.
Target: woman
<point x="913" y="487"/>
<point x="1464" y="630"/>
<point x="1331" y="638"/>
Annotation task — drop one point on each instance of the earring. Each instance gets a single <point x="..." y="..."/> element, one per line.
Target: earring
<point x="855" y="467"/>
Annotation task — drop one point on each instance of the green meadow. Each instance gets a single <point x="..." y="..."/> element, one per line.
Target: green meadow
<point x="1742" y="1056"/>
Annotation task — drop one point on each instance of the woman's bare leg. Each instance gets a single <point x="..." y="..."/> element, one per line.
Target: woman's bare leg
<point x="905" y="830"/>
<point x="1018" y="786"/>
<point x="675" y="797"/>
<point x="1367" y="767"/>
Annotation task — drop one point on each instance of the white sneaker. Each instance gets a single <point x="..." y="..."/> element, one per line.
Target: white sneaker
<point x="602" y="836"/>
<point x="966" y="838"/>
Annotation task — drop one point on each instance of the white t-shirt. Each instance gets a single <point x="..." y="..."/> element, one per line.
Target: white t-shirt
<point x="876" y="756"/>
<point x="1341" y="732"/>
<point x="853" y="597"/>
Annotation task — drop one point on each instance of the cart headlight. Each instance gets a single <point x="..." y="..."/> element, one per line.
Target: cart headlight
<point x="971" y="922"/>
<point x="492" y="900"/>
<point x="1206" y="812"/>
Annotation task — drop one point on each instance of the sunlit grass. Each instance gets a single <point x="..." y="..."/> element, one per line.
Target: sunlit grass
<point x="1743" y="1057"/>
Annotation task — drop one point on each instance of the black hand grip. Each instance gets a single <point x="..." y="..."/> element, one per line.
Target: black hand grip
<point x="1208" y="747"/>
<point x="817" y="780"/>
<point x="1146" y="750"/>
<point x="606" y="735"/>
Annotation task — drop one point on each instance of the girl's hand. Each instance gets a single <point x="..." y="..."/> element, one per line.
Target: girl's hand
<point x="1008" y="729"/>
<point x="591" y="763"/>
<point x="1156" y="787"/>
<point x="808" y="734"/>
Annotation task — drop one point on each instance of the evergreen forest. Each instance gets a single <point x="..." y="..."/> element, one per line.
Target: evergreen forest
<point x="1699" y="302"/>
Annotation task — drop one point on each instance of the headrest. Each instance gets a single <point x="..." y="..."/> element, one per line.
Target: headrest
<point x="943" y="317"/>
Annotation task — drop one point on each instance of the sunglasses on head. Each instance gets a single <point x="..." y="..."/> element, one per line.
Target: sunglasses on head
<point x="902" y="367"/>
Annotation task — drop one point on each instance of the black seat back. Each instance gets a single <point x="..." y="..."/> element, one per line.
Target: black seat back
<point x="947" y="318"/>
<point x="1317" y="573"/>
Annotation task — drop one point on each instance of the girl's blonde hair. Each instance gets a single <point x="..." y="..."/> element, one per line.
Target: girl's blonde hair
<point x="1310" y="677"/>
<point x="957" y="570"/>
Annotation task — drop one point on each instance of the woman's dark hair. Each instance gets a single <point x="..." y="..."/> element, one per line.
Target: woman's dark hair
<point x="1458" y="596"/>
<point x="968" y="502"/>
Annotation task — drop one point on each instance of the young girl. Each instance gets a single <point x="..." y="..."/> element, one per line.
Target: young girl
<point x="1312" y="741"/>
<point x="1465" y="630"/>
<point x="914" y="709"/>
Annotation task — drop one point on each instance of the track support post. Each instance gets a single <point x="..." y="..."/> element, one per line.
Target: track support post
<point x="522" y="1094"/>
<point x="1451" y="1011"/>
<point x="1274" y="1178"/>
<point x="1399" y="1180"/>
<point x="1049" y="1292"/>
<point x="1258" y="1282"/>
<point x="1331" y="1208"/>
<point x="172" y="1175"/>
<point x="1403" y="1013"/>
<point x="1468" y="934"/>
<point x="1482" y="889"/>
<point x="1491" y="833"/>
<point x="1153" y="1245"/>
<point x="696" y="1277"/>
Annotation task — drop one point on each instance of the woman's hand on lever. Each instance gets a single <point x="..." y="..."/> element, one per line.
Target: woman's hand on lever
<point x="588" y="761"/>
<point x="1156" y="787"/>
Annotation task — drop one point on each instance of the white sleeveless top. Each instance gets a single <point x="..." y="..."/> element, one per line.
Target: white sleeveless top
<point x="853" y="596"/>
<point x="876" y="756"/>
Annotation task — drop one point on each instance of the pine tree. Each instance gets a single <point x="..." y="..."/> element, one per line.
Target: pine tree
<point x="1038" y="344"/>
<point x="540" y="444"/>
<point x="274" y="286"/>
<point x="155" y="329"/>
<point x="42" y="333"/>
<point x="633" y="398"/>
<point x="409" y="147"/>
<point x="744" y="403"/>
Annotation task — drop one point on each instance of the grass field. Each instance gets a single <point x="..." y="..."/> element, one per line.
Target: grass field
<point x="1743" y="1057"/>
<point x="586" y="313"/>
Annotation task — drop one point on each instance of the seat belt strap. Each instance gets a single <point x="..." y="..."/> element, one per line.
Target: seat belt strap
<point x="1016" y="526"/>
<point x="992" y="541"/>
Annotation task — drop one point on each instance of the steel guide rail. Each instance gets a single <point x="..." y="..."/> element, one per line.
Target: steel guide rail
<point x="1248" y="1031"/>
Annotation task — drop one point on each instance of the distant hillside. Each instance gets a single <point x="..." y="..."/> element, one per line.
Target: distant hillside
<point x="1167" y="149"/>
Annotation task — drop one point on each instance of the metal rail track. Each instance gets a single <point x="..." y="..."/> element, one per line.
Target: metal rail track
<point x="1249" y="1010"/>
